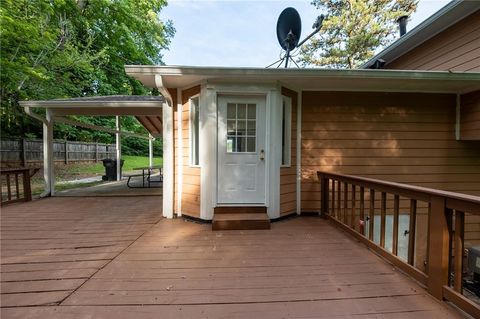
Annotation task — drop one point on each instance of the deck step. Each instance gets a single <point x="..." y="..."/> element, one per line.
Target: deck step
<point x="240" y="221"/>
<point x="240" y="210"/>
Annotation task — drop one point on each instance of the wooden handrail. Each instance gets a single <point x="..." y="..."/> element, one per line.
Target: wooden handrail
<point x="17" y="196"/>
<point x="446" y="218"/>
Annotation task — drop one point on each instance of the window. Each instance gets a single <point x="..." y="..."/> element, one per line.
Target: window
<point x="241" y="128"/>
<point x="194" y="132"/>
<point x="286" y="131"/>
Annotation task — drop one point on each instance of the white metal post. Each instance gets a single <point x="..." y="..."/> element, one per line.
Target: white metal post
<point x="150" y="150"/>
<point x="48" y="169"/>
<point x="118" y="145"/>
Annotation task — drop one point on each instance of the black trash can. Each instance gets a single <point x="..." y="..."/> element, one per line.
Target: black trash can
<point x="111" y="169"/>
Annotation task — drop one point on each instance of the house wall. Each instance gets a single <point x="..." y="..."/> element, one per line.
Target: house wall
<point x="288" y="184"/>
<point x="456" y="49"/>
<point x="470" y="117"/>
<point x="190" y="201"/>
<point x="401" y="137"/>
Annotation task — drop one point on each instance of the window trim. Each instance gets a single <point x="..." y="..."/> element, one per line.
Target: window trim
<point x="191" y="120"/>
<point x="286" y="121"/>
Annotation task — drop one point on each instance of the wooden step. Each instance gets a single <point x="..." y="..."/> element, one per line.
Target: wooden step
<point x="240" y="221"/>
<point x="240" y="210"/>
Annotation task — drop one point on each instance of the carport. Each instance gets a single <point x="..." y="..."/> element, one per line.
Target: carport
<point x="147" y="110"/>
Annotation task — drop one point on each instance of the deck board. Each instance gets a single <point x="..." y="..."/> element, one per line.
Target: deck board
<point x="116" y="258"/>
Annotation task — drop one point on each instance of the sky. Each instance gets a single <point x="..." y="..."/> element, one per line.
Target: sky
<point x="242" y="33"/>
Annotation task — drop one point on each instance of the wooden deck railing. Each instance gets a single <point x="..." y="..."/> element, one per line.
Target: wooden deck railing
<point x="15" y="184"/>
<point x="445" y="212"/>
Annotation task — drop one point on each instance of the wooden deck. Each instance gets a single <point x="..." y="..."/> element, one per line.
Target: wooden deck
<point x="116" y="258"/>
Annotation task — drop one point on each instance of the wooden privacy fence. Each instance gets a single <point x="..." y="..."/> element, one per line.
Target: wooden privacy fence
<point x="24" y="151"/>
<point x="15" y="184"/>
<point x="352" y="203"/>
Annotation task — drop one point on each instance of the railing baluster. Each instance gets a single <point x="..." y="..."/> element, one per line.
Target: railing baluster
<point x="352" y="217"/>
<point x="383" y="213"/>
<point x="362" y="210"/>
<point x="334" y="213"/>
<point x="458" y="242"/>
<point x="345" y="203"/>
<point x="396" y="207"/>
<point x="9" y="190"/>
<point x="411" y="231"/>
<point x="17" y="187"/>
<point x="371" y="214"/>
<point x="339" y="200"/>
<point x="27" y="190"/>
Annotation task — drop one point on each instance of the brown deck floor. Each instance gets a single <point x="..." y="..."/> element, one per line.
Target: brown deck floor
<point x="116" y="258"/>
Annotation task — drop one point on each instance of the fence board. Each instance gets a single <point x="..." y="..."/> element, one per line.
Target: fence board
<point x="26" y="151"/>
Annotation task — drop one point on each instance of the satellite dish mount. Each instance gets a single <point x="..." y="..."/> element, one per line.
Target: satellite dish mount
<point x="289" y="28"/>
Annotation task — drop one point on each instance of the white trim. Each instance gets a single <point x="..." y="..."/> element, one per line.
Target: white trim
<point x="287" y="104"/>
<point x="190" y="130"/>
<point x="168" y="163"/>
<point x="299" y="152"/>
<point x="118" y="146"/>
<point x="458" y="117"/>
<point x="48" y="164"/>
<point x="208" y="151"/>
<point x="180" y="152"/>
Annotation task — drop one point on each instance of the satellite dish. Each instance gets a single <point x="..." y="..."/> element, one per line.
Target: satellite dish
<point x="289" y="28"/>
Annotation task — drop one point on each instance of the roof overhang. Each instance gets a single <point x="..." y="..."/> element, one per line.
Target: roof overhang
<point x="444" y="18"/>
<point x="311" y="79"/>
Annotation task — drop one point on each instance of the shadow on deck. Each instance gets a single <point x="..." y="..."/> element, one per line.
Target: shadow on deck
<point x="116" y="257"/>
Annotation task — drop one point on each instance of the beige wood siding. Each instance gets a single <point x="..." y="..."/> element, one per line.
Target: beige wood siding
<point x="456" y="49"/>
<point x="470" y="117"/>
<point x="288" y="185"/>
<point x="191" y="175"/>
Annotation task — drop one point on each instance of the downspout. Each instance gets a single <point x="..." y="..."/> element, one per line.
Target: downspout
<point x="44" y="121"/>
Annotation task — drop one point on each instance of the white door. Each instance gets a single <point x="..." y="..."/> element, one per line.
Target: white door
<point x="241" y="150"/>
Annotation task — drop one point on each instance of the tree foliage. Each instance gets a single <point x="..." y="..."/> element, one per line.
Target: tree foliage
<point x="353" y="30"/>
<point x="72" y="48"/>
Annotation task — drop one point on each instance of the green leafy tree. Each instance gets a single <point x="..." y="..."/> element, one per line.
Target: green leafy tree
<point x="353" y="30"/>
<point x="72" y="48"/>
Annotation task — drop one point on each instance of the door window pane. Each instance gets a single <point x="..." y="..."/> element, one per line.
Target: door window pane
<point x="241" y="133"/>
<point x="251" y="144"/>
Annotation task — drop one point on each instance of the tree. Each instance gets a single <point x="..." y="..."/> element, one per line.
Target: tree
<point x="353" y="30"/>
<point x="73" y="48"/>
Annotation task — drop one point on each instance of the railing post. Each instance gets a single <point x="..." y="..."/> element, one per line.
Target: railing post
<point x="438" y="246"/>
<point x="324" y="193"/>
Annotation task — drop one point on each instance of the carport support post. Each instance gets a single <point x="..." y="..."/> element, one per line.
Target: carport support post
<point x="48" y="172"/>
<point x="150" y="150"/>
<point x="118" y="146"/>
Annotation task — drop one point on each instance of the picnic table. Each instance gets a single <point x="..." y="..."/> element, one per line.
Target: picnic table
<point x="147" y="172"/>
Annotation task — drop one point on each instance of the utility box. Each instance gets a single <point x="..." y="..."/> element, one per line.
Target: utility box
<point x="111" y="169"/>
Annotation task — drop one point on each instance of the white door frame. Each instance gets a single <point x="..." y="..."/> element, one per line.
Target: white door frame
<point x="208" y="143"/>
<point x="260" y="133"/>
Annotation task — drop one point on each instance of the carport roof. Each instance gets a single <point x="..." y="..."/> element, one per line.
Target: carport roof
<point x="147" y="109"/>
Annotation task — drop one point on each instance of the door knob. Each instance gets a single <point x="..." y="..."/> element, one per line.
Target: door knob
<point x="262" y="155"/>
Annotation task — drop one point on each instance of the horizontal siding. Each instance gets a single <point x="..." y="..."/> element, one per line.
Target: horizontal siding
<point x="470" y="117"/>
<point x="190" y="175"/>
<point x="456" y="48"/>
<point x="288" y="183"/>
<point x="400" y="137"/>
